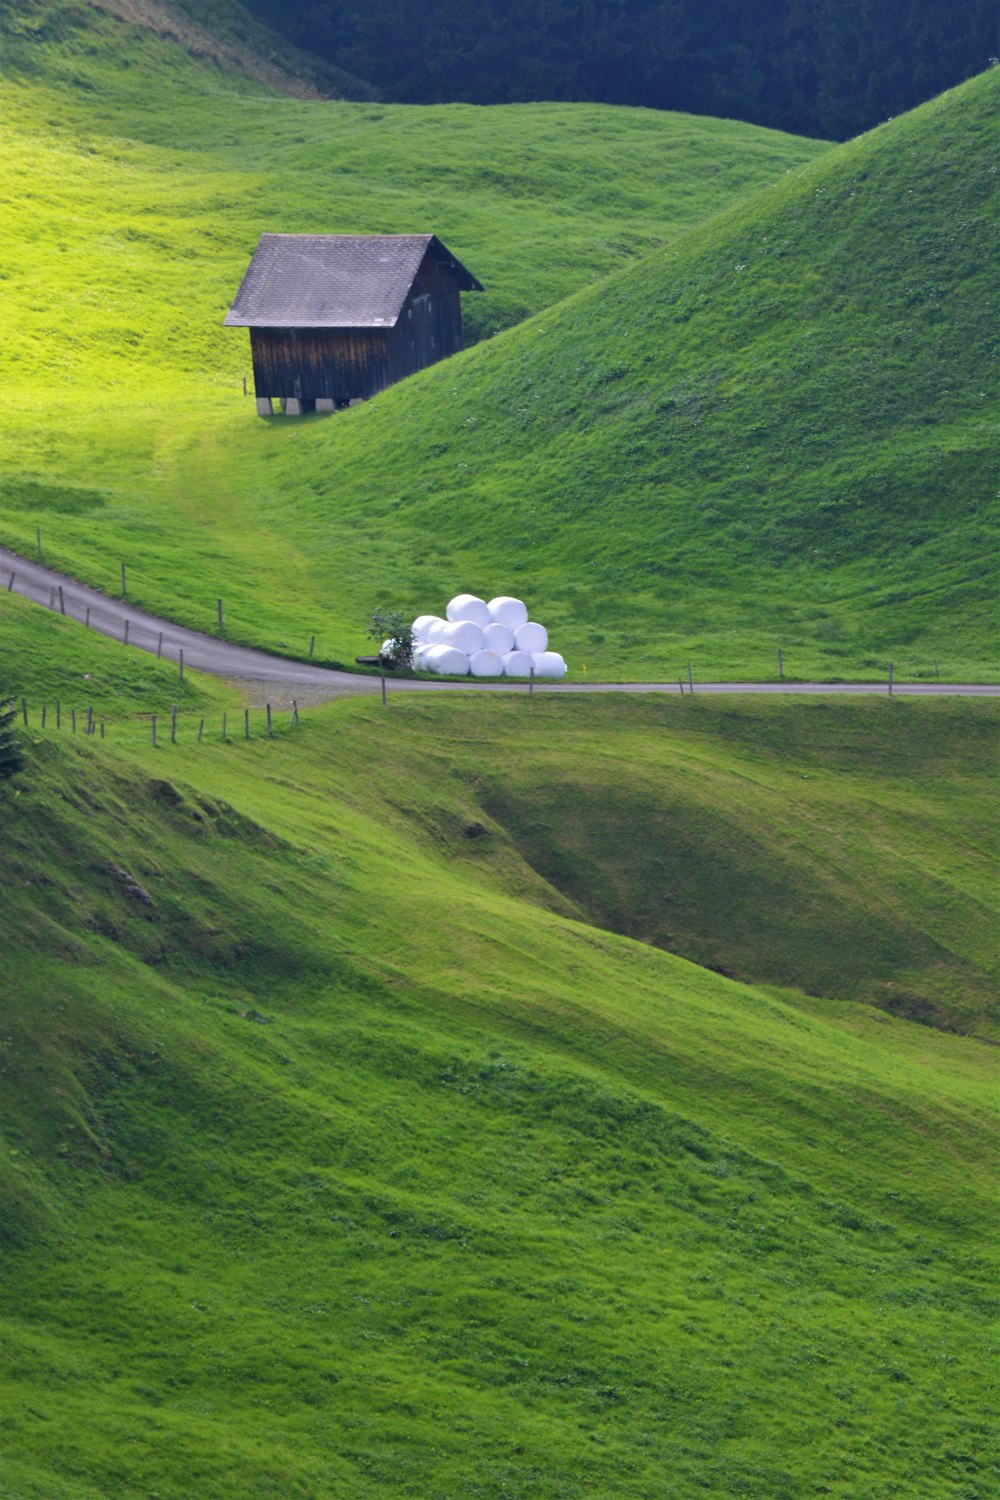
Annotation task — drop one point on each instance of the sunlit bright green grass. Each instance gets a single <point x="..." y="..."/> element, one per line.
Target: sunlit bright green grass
<point x="138" y="184"/>
<point x="353" y="1161"/>
<point x="776" y="432"/>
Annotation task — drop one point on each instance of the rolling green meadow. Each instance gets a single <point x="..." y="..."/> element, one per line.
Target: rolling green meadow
<point x="353" y="1147"/>
<point x="494" y="1097"/>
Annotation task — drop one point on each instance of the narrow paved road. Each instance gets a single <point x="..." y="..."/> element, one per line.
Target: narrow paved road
<point x="205" y="653"/>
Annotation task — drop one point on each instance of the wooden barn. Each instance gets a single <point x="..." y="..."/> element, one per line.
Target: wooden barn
<point x="334" y="318"/>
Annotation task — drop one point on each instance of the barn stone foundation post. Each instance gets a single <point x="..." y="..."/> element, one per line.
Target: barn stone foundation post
<point x="325" y="403"/>
<point x="293" y="406"/>
<point x="265" y="406"/>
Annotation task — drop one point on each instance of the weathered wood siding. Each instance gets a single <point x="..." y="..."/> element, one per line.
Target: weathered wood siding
<point x="430" y="324"/>
<point x="340" y="363"/>
<point x="343" y="364"/>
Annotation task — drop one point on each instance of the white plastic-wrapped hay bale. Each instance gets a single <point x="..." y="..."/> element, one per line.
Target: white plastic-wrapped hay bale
<point x="486" y="663"/>
<point x="446" y="661"/>
<point x="498" y="638"/>
<point x="469" y="607"/>
<point x="531" y="637"/>
<point x="420" y="651"/>
<point x="548" y="664"/>
<point x="507" y="611"/>
<point x="463" y="634"/>
<point x="435" y="632"/>
<point x="517" y="664"/>
<point x="421" y="626"/>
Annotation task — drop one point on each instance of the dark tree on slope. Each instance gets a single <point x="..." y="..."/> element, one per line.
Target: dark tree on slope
<point x="821" y="67"/>
<point x="11" y="754"/>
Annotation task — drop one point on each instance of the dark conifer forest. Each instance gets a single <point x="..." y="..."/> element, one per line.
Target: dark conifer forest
<point x="831" y="68"/>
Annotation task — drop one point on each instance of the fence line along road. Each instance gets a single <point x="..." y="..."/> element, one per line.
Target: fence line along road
<point x="205" y="653"/>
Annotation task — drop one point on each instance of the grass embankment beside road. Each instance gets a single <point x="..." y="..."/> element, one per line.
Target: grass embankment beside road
<point x="343" y="1153"/>
<point x="843" y="848"/>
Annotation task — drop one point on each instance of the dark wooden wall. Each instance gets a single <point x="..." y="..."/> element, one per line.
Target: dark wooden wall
<point x="343" y="364"/>
<point x="340" y="363"/>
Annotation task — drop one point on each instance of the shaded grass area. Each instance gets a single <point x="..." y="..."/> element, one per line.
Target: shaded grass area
<point x="342" y="1157"/>
<point x="844" y="849"/>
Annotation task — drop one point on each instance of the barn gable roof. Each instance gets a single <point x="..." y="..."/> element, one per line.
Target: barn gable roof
<point x="335" y="280"/>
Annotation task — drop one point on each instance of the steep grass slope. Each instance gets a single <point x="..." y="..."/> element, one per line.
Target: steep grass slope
<point x="781" y="431"/>
<point x="341" y="1157"/>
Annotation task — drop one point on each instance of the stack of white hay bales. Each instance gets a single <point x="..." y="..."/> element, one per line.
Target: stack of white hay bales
<point x="484" y="640"/>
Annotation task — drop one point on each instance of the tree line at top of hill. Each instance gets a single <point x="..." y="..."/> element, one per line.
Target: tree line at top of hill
<point x="831" y="68"/>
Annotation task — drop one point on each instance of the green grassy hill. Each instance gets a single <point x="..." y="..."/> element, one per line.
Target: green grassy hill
<point x="494" y="1097"/>
<point x="139" y="178"/>
<point x="777" y="431"/>
<point x="343" y="1156"/>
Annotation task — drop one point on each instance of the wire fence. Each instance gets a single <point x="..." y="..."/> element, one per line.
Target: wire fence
<point x="164" y="728"/>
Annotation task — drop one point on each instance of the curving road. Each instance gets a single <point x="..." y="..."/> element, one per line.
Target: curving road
<point x="205" y="653"/>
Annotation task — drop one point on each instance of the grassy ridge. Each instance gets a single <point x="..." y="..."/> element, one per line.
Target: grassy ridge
<point x="440" y="1190"/>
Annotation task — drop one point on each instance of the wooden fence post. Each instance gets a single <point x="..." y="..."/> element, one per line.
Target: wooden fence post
<point x="58" y="714"/>
<point x="24" y="711"/>
<point x="154" y="730"/>
<point x="218" y="611"/>
<point x="224" y="717"/>
<point x="383" y="687"/>
<point x="295" y="712"/>
<point x="124" y="587"/>
<point x="269" y="721"/>
<point x="159" y="646"/>
<point x="312" y="645"/>
<point x="890" y="679"/>
<point x="201" y="729"/>
<point x="90" y="719"/>
<point x="246" y="723"/>
<point x="43" y="715"/>
<point x="86" y="618"/>
<point x="38" y="540"/>
<point x="125" y="636"/>
<point x="531" y="682"/>
<point x="102" y="729"/>
<point x="680" y="684"/>
<point x="62" y="601"/>
<point x="10" y="584"/>
<point x="72" y="719"/>
<point x="173" y="725"/>
<point x="781" y="665"/>
<point x="180" y="665"/>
